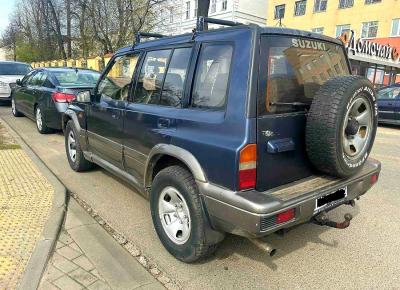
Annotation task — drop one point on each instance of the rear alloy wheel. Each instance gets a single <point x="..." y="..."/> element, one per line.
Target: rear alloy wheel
<point x="178" y="215"/>
<point x="14" y="110"/>
<point x="75" y="156"/>
<point x="40" y="123"/>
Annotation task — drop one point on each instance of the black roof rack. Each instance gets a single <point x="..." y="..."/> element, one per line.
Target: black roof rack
<point x="140" y="35"/>
<point x="202" y="20"/>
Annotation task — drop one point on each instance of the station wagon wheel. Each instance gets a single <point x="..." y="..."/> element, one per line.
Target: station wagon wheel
<point x="71" y="146"/>
<point x="174" y="215"/>
<point x="178" y="215"/>
<point x="357" y="128"/>
<point x="341" y="125"/>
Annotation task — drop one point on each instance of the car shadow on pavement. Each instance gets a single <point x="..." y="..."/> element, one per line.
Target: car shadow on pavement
<point x="294" y="239"/>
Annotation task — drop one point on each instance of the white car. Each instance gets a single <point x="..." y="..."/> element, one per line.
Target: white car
<point x="10" y="72"/>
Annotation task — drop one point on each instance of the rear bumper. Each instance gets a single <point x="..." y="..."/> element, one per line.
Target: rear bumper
<point x="249" y="213"/>
<point x="5" y="97"/>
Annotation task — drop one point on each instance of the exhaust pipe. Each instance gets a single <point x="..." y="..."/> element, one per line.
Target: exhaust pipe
<point x="264" y="246"/>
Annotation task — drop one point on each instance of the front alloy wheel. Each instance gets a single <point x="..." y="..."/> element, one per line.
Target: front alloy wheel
<point x="14" y="110"/>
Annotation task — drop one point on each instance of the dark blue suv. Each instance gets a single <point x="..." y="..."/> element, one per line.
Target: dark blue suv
<point x="244" y="130"/>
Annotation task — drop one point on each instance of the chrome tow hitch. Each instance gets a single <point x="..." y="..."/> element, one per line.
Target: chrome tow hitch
<point x="323" y="220"/>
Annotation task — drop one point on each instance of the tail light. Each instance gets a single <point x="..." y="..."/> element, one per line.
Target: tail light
<point x="248" y="167"/>
<point x="285" y="216"/>
<point x="62" y="97"/>
<point x="374" y="178"/>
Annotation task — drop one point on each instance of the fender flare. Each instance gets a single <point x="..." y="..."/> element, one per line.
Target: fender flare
<point x="71" y="114"/>
<point x="174" y="151"/>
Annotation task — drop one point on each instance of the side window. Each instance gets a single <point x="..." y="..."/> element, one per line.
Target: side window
<point x="37" y="79"/>
<point x="172" y="92"/>
<point x="212" y="75"/>
<point x="148" y="89"/>
<point x="25" y="81"/>
<point x="115" y="85"/>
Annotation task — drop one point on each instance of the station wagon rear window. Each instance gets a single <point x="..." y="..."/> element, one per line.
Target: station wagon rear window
<point x="294" y="69"/>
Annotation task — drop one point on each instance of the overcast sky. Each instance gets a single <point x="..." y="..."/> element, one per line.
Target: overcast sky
<point x="6" y="7"/>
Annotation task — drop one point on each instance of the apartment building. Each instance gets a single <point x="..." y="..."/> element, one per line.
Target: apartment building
<point x="364" y="22"/>
<point x="179" y="16"/>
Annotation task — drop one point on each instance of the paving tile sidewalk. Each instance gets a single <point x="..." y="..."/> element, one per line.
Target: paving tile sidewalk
<point x="26" y="199"/>
<point x="87" y="257"/>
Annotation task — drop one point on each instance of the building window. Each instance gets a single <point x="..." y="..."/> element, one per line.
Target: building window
<point x="279" y="11"/>
<point x="187" y="13"/>
<point x="369" y="29"/>
<point x="300" y="8"/>
<point x="196" y="6"/>
<point x="346" y="3"/>
<point x="372" y="1"/>
<point x="224" y="5"/>
<point x="320" y="5"/>
<point x="319" y="30"/>
<point x="396" y="27"/>
<point x="213" y="6"/>
<point x="340" y="29"/>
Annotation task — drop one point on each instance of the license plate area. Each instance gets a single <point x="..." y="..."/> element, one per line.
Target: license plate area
<point x="330" y="199"/>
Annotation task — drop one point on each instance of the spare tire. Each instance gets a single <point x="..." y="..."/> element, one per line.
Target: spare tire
<point x="341" y="125"/>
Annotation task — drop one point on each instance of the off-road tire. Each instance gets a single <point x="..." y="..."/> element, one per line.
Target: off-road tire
<point x="44" y="129"/>
<point x="14" y="110"/>
<point x="327" y="120"/>
<point x="80" y="163"/>
<point x="196" y="247"/>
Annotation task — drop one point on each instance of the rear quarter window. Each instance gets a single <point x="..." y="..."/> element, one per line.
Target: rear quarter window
<point x="211" y="77"/>
<point x="293" y="69"/>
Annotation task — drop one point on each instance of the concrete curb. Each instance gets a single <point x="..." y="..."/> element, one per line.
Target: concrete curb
<point x="44" y="247"/>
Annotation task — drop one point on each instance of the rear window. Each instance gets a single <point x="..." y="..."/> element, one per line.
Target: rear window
<point x="18" y="69"/>
<point x="76" y="77"/>
<point x="294" y="69"/>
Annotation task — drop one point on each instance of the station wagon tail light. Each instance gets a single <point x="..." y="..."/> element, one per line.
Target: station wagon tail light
<point x="248" y="167"/>
<point x="285" y="216"/>
<point x="374" y="178"/>
<point x="62" y="97"/>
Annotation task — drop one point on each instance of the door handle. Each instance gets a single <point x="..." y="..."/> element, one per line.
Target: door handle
<point x="163" y="123"/>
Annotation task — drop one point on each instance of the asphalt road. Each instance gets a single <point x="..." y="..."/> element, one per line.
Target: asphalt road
<point x="366" y="255"/>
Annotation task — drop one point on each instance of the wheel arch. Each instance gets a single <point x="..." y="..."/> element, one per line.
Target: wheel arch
<point x="70" y="115"/>
<point x="163" y="155"/>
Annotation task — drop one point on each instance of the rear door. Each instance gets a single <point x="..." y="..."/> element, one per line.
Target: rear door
<point x="291" y="70"/>
<point x="151" y="114"/>
<point x="105" y="115"/>
<point x="389" y="104"/>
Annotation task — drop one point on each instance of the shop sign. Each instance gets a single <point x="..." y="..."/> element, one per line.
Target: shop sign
<point x="367" y="48"/>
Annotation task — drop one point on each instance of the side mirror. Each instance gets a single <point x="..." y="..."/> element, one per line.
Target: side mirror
<point x="83" y="97"/>
<point x="18" y="82"/>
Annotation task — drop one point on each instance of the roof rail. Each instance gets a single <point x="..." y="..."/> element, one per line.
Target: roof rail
<point x="202" y="20"/>
<point x="140" y="35"/>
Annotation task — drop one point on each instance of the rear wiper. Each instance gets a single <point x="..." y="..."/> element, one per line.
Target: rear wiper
<point x="294" y="104"/>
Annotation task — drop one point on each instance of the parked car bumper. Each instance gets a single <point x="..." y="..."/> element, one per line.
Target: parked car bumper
<point x="53" y="115"/>
<point x="5" y="97"/>
<point x="253" y="214"/>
